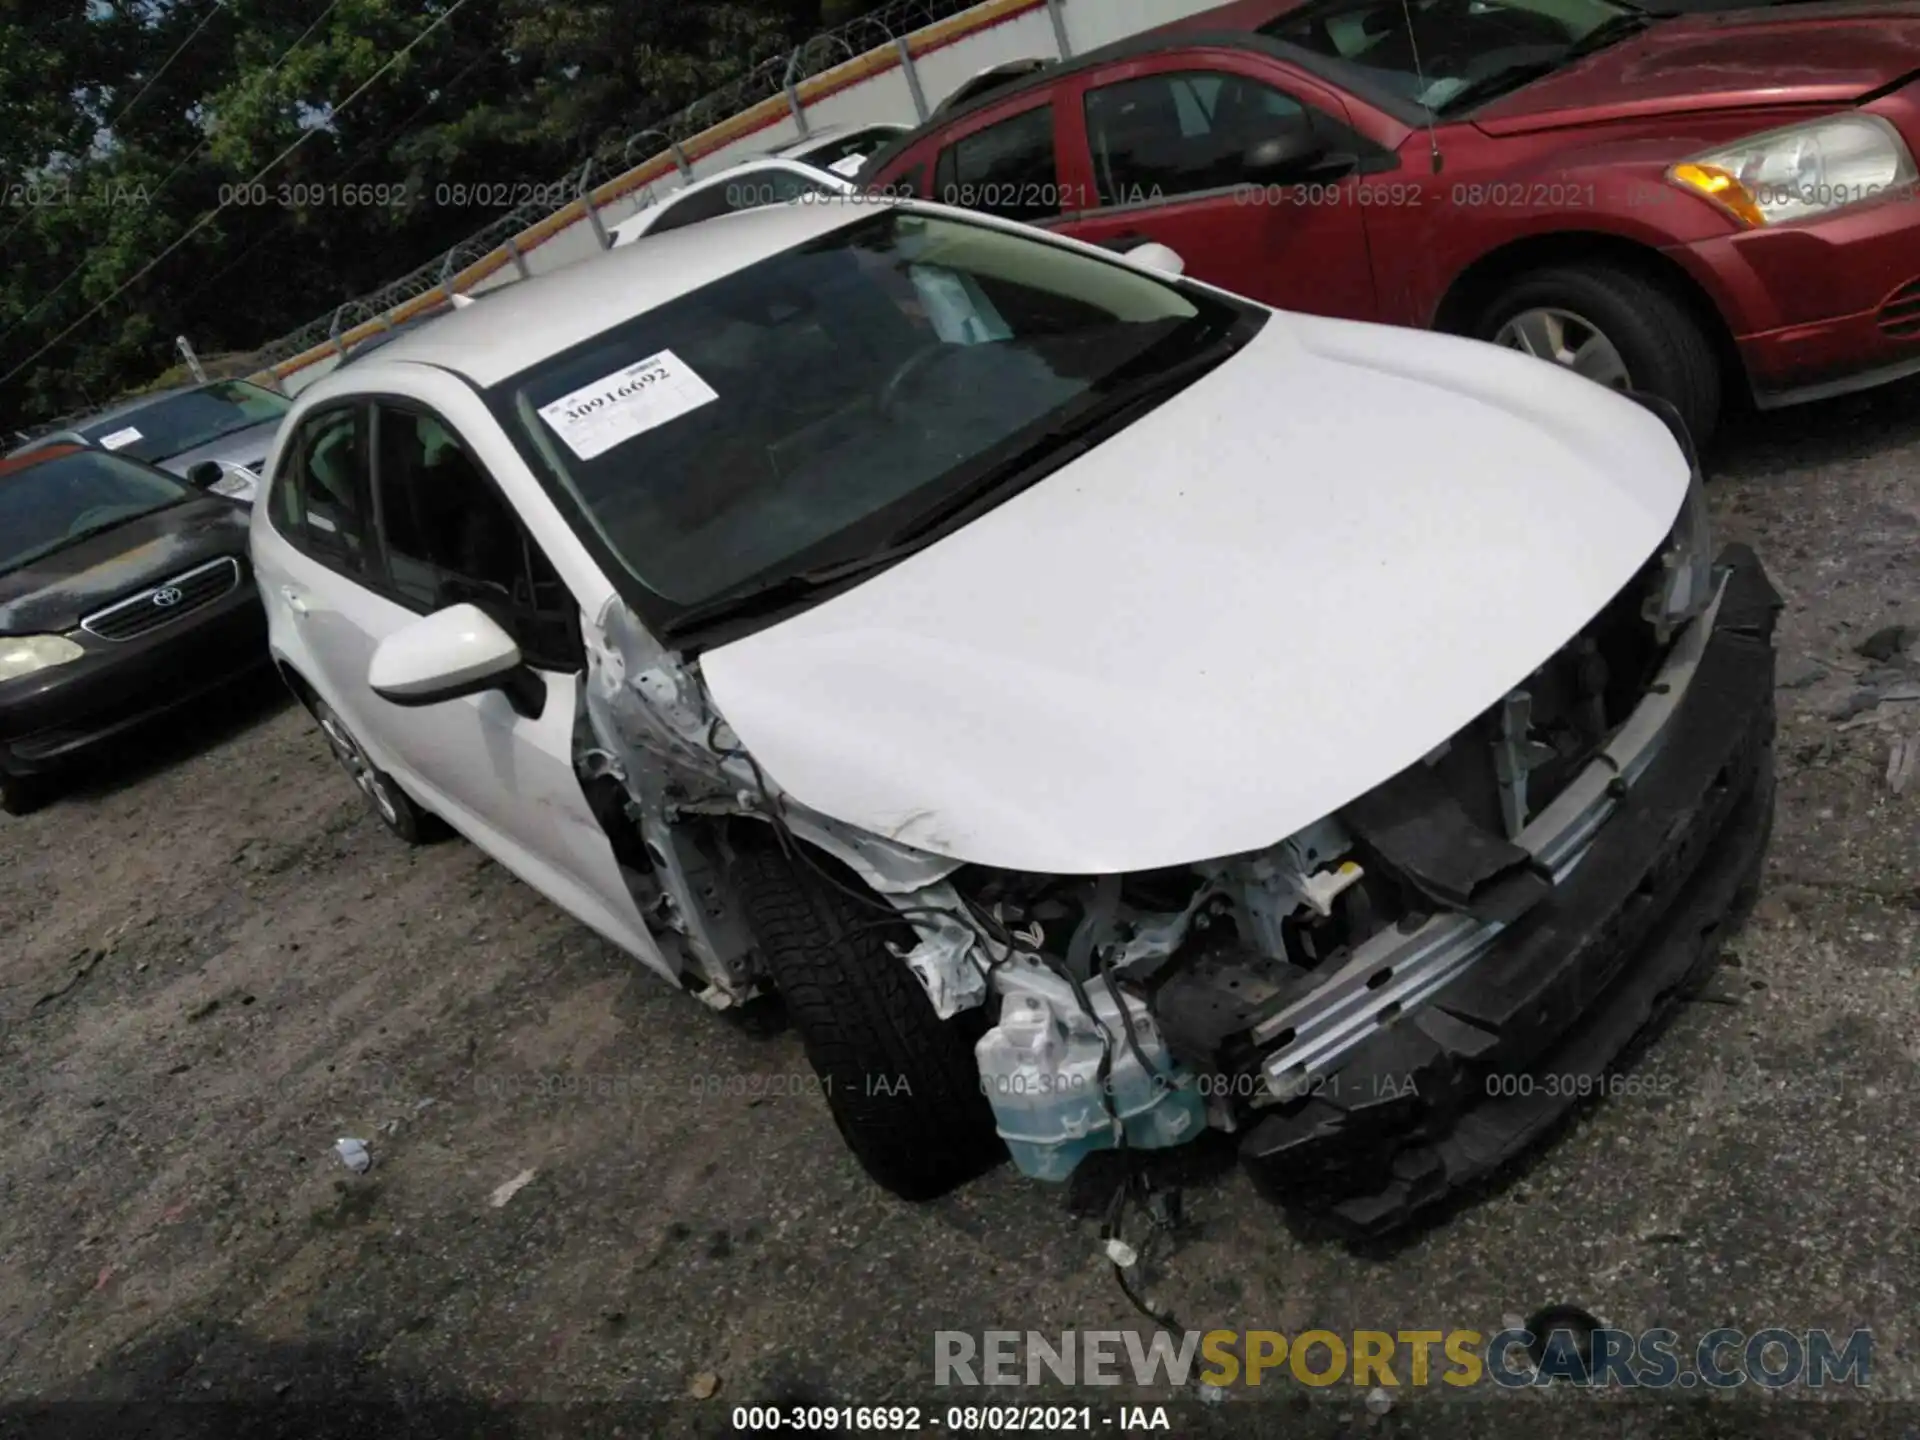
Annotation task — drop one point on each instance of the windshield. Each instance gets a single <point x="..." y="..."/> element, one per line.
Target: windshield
<point x="1459" y="51"/>
<point x="59" y="502"/>
<point x="179" y="423"/>
<point x="803" y="411"/>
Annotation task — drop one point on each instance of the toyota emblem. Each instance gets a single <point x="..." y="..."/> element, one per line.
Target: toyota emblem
<point x="167" y="596"/>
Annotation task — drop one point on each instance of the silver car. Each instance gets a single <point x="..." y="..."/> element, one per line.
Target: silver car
<point x="227" y="425"/>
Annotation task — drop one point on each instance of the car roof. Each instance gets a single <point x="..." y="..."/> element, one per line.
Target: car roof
<point x="995" y="78"/>
<point x="135" y="403"/>
<point x="538" y="318"/>
<point x="380" y="339"/>
<point x="1229" y="28"/>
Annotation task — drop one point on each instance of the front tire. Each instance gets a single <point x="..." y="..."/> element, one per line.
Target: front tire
<point x="392" y="805"/>
<point x="1618" y="328"/>
<point x="902" y="1083"/>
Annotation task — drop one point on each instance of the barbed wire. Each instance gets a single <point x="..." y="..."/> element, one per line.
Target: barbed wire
<point x="766" y="80"/>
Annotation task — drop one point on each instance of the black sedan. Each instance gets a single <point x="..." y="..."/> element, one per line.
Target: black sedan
<point x="124" y="593"/>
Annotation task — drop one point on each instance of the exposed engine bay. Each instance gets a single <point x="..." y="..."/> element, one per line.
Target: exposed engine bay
<point x="1160" y="1004"/>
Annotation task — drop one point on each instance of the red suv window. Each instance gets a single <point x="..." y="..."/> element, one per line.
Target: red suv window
<point x="1004" y="169"/>
<point x="1182" y="133"/>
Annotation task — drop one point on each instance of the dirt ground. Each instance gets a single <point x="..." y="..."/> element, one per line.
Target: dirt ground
<point x="214" y="963"/>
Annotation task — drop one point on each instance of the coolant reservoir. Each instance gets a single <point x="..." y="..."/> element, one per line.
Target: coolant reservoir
<point x="1040" y="1069"/>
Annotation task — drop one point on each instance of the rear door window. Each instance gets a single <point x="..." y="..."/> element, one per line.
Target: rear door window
<point x="320" y="501"/>
<point x="706" y="205"/>
<point x="771" y="187"/>
<point x="751" y="191"/>
<point x="1007" y="169"/>
<point x="1162" y="136"/>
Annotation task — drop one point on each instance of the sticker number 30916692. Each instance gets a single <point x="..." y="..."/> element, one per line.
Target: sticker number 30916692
<point x="616" y="408"/>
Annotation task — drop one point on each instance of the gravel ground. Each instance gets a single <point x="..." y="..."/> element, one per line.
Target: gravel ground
<point x="213" y="964"/>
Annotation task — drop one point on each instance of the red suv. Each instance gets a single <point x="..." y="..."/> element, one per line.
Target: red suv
<point x="1696" y="206"/>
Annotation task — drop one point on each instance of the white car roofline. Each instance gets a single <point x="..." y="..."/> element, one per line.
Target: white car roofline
<point x="638" y="224"/>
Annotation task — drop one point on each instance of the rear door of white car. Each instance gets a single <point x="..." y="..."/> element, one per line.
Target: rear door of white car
<point x="318" y="543"/>
<point x="422" y="526"/>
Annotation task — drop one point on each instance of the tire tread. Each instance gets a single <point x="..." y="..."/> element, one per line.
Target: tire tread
<point x="866" y="1025"/>
<point x="1666" y="350"/>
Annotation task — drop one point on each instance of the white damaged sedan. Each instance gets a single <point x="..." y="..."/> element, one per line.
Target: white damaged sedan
<point x="1104" y="711"/>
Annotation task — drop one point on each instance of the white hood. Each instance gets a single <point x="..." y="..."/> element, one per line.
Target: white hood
<point x="1272" y="593"/>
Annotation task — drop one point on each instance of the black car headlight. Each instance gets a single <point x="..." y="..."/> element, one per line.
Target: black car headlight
<point x="24" y="655"/>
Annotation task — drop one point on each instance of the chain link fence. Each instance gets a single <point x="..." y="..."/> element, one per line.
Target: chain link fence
<point x="776" y="76"/>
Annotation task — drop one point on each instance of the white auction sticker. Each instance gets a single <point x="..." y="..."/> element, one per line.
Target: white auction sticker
<point x="119" y="438"/>
<point x="630" y="402"/>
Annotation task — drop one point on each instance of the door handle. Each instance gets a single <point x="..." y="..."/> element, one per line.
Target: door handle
<point x="296" y="601"/>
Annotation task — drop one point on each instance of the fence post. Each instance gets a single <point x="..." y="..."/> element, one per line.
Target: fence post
<point x="185" y="347"/>
<point x="1059" y="29"/>
<point x="912" y="73"/>
<point x="519" y="260"/>
<point x="793" y="95"/>
<point x="333" y="330"/>
<point x="684" y="165"/>
<point x="593" y="214"/>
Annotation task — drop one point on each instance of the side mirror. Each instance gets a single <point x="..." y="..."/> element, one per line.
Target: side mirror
<point x="1287" y="156"/>
<point x="1156" y="256"/>
<point x="218" y="477"/>
<point x="449" y="655"/>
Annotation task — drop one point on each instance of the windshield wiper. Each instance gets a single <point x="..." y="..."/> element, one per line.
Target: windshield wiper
<point x="216" y="437"/>
<point x="1498" y="83"/>
<point x="1610" y="31"/>
<point x="1051" y="450"/>
<point x="775" y="595"/>
<point x="67" y="542"/>
<point x="100" y="528"/>
<point x="1079" y="433"/>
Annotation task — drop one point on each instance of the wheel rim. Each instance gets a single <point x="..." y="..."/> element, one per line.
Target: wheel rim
<point x="354" y="760"/>
<point x="1567" y="339"/>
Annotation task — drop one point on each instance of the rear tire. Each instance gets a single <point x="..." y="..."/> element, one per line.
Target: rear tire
<point x="390" y="804"/>
<point x="902" y="1083"/>
<point x="1665" y="350"/>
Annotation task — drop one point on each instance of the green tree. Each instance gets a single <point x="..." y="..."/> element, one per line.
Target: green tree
<point x="129" y="130"/>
